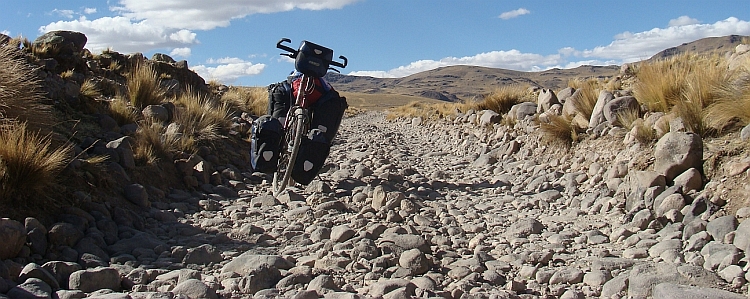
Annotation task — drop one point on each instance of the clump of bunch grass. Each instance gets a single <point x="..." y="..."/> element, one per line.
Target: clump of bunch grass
<point x="426" y="111"/>
<point x="122" y="111"/>
<point x="155" y="141"/>
<point x="732" y="105"/>
<point x="558" y="130"/>
<point x="587" y="95"/>
<point x="202" y="117"/>
<point x="143" y="86"/>
<point x="253" y="100"/>
<point x="21" y="91"/>
<point x="631" y="119"/>
<point x="503" y="98"/>
<point x="28" y="163"/>
<point x="700" y="89"/>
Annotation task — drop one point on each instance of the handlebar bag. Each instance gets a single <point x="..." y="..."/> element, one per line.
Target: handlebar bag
<point x="313" y="59"/>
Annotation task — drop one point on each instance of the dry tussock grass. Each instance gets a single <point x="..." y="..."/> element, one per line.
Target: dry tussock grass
<point x="424" y="110"/>
<point x="503" y="98"/>
<point x="500" y="101"/>
<point x="732" y="107"/>
<point x="587" y="96"/>
<point x="200" y="117"/>
<point x="28" y="163"/>
<point x="122" y="111"/>
<point x="558" y="131"/>
<point x="253" y="100"/>
<point x="155" y="141"/>
<point x="21" y="92"/>
<point x="143" y="87"/>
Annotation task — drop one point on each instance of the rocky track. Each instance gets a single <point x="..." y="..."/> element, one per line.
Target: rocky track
<point x="404" y="210"/>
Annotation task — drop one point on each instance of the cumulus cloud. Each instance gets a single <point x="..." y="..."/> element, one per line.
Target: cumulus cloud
<point x="514" y="13"/>
<point x="629" y="47"/>
<point x="682" y="21"/>
<point x="512" y="59"/>
<point x="123" y="35"/>
<point x="626" y="47"/>
<point x="206" y="15"/>
<point x="89" y="10"/>
<point x="181" y="52"/>
<point x="228" y="69"/>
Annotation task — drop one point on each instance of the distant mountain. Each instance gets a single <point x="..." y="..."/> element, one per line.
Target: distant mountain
<point x="720" y="45"/>
<point x="461" y="82"/>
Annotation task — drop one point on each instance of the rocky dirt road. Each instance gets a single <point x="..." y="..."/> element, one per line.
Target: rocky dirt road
<point x="406" y="209"/>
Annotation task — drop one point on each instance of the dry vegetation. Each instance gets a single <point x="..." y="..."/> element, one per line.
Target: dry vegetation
<point x="28" y="161"/>
<point x="701" y="90"/>
<point x="253" y="100"/>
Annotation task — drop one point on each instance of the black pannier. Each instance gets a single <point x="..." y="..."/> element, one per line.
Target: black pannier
<point x="279" y="99"/>
<point x="265" y="143"/>
<point x="313" y="59"/>
<point x="313" y="151"/>
<point x="315" y="147"/>
<point x="327" y="114"/>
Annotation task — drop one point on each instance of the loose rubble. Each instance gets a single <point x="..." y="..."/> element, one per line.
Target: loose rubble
<point x="402" y="210"/>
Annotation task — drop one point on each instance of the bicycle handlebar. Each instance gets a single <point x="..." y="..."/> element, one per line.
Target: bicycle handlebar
<point x="293" y="53"/>
<point x="286" y="48"/>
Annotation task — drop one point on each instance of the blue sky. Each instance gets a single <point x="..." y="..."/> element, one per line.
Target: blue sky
<point x="233" y="41"/>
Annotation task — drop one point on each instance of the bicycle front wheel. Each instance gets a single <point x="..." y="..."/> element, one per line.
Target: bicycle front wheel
<point x="289" y="149"/>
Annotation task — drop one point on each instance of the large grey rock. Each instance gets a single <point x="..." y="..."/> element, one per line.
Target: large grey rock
<point x="32" y="288"/>
<point x="619" y="105"/>
<point x="597" y="116"/>
<point x="13" y="234"/>
<point x="523" y="110"/>
<point x="490" y="117"/>
<point x="676" y="291"/>
<point x="415" y="261"/>
<point x="91" y="280"/>
<point x="61" y="270"/>
<point x="720" y="227"/>
<point x="194" y="288"/>
<point x="136" y="193"/>
<point x="545" y="100"/>
<point x="64" y="234"/>
<point x="203" y="255"/>
<point x="525" y="227"/>
<point x="742" y="236"/>
<point x="124" y="150"/>
<point x="32" y="270"/>
<point x="677" y="152"/>
<point x="248" y="261"/>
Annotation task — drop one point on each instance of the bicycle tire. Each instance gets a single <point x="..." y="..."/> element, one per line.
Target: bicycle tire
<point x="282" y="176"/>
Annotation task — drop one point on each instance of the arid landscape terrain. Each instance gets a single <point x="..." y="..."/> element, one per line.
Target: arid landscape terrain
<point x="129" y="177"/>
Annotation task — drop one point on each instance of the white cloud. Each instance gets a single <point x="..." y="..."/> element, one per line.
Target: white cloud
<point x="123" y="35"/>
<point x="225" y="60"/>
<point x="514" y="13"/>
<point x="206" y="15"/>
<point x="682" y="21"/>
<point x="89" y="10"/>
<point x="6" y="32"/>
<point x="630" y="47"/>
<point x="229" y="69"/>
<point x="181" y="52"/>
<point x="627" y="47"/>
<point x="65" y="13"/>
<point x="512" y="59"/>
